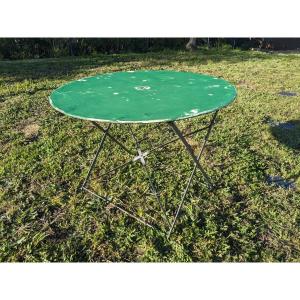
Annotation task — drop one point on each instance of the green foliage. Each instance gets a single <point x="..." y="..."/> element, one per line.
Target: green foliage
<point x="18" y="48"/>
<point x="43" y="159"/>
<point x="22" y="48"/>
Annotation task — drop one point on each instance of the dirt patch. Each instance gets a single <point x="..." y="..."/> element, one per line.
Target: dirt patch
<point x="247" y="85"/>
<point x="31" y="131"/>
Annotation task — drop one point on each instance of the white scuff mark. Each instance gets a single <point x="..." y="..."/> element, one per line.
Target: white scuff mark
<point x="82" y="79"/>
<point x="191" y="113"/>
<point x="145" y="80"/>
<point x="213" y="86"/>
<point x="130" y="71"/>
<point x="109" y="87"/>
<point x="142" y="88"/>
<point x="210" y="94"/>
<point x="116" y="93"/>
<point x="87" y="92"/>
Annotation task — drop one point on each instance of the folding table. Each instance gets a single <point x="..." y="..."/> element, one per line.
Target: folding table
<point x="145" y="96"/>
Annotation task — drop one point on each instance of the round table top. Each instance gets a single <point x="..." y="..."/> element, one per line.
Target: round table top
<point x="142" y="96"/>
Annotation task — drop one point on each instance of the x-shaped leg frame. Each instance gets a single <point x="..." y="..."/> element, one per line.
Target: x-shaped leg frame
<point x="141" y="157"/>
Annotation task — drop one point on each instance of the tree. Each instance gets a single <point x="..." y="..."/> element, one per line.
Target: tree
<point x="192" y="44"/>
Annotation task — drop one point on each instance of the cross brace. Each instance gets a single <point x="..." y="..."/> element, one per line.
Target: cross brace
<point x="141" y="156"/>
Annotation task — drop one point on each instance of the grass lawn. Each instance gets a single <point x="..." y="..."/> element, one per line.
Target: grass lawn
<point x="45" y="155"/>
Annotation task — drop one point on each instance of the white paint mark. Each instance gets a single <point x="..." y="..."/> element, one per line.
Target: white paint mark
<point x="142" y="88"/>
<point x="145" y="80"/>
<point x="130" y="71"/>
<point x="213" y="86"/>
<point x="82" y="79"/>
<point x="116" y="93"/>
<point x="109" y="87"/>
<point x="210" y="94"/>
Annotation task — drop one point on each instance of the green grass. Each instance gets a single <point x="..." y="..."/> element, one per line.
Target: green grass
<point x="44" y="156"/>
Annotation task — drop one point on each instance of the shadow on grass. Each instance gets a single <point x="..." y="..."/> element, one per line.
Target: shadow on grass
<point x="68" y="67"/>
<point x="287" y="133"/>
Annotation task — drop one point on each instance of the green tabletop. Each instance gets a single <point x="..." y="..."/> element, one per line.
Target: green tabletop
<point x="142" y="96"/>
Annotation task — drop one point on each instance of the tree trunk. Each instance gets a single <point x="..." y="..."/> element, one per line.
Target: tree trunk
<point x="192" y="44"/>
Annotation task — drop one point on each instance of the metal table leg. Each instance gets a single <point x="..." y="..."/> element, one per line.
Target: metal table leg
<point x="140" y="155"/>
<point x="196" y="164"/>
